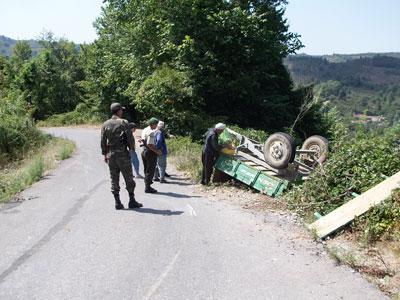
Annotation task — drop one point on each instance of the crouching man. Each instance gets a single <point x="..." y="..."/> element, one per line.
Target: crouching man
<point x="116" y="138"/>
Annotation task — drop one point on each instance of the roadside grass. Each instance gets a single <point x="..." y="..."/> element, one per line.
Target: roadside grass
<point x="185" y="155"/>
<point x="66" y="149"/>
<point x="17" y="176"/>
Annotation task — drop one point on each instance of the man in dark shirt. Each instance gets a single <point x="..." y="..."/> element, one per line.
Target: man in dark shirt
<point x="210" y="152"/>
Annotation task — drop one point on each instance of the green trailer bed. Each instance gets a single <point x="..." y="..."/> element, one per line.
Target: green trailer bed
<point x="251" y="174"/>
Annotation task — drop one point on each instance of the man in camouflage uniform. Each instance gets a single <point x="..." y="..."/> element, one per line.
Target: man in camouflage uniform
<point x="116" y="138"/>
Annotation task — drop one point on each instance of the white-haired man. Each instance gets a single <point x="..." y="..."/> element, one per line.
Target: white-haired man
<point x="161" y="145"/>
<point x="210" y="152"/>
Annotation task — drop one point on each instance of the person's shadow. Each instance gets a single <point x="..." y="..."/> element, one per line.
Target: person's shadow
<point x="175" y="195"/>
<point x="163" y="212"/>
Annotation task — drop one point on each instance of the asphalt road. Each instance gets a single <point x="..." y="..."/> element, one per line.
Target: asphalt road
<point x="66" y="241"/>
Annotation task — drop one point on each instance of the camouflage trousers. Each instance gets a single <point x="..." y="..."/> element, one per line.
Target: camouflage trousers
<point x="119" y="162"/>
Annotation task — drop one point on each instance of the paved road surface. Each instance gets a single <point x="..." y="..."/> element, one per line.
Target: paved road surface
<point x="68" y="242"/>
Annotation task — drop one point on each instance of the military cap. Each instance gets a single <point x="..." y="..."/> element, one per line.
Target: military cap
<point x="152" y="121"/>
<point x="132" y="125"/>
<point x="116" y="106"/>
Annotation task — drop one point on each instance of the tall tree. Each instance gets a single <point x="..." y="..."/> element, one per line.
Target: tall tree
<point x="21" y="53"/>
<point x="231" y="50"/>
<point x="50" y="81"/>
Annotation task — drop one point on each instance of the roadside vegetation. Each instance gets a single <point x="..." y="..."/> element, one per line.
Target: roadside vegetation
<point x="17" y="175"/>
<point x="185" y="155"/>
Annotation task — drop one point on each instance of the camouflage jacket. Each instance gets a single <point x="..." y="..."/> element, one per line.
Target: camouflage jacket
<point x="116" y="136"/>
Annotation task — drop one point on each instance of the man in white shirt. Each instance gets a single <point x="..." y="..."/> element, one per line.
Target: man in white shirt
<point x="149" y="154"/>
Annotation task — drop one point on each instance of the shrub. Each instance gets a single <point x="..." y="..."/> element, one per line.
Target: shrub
<point x="382" y="221"/>
<point x="82" y="114"/>
<point x="257" y="135"/>
<point x="17" y="131"/>
<point x="168" y="94"/>
<point x="355" y="165"/>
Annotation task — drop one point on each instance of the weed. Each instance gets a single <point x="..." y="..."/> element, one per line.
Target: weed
<point x="186" y="156"/>
<point x="66" y="150"/>
<point x="19" y="175"/>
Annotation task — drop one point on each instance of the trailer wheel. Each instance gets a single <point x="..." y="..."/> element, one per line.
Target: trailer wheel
<point x="279" y="150"/>
<point x="319" y="144"/>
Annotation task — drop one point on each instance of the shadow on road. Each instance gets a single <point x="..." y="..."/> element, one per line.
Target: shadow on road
<point x="175" y="195"/>
<point x="180" y="183"/>
<point x="163" y="212"/>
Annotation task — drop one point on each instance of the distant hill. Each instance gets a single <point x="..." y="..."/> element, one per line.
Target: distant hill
<point x="6" y="45"/>
<point x="367" y="83"/>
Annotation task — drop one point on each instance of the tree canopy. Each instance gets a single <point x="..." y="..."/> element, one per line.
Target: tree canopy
<point x="230" y="51"/>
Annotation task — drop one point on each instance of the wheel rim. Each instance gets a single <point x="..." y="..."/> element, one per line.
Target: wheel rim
<point x="317" y="149"/>
<point x="276" y="150"/>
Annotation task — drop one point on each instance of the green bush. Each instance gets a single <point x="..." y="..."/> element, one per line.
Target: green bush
<point x="18" y="133"/>
<point x="168" y="95"/>
<point x="382" y="221"/>
<point x="257" y="135"/>
<point x="354" y="165"/>
<point x="83" y="114"/>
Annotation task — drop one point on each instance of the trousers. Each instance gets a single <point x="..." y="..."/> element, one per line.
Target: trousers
<point x="161" y="167"/>
<point x="119" y="162"/>
<point x="149" y="163"/>
<point x="208" y="160"/>
<point x="134" y="161"/>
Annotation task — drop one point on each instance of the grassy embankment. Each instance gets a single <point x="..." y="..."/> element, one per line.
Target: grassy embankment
<point x="20" y="174"/>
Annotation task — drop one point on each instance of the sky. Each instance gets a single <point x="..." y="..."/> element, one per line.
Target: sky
<point x="325" y="26"/>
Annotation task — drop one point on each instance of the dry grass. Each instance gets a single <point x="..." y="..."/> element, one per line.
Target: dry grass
<point x="185" y="155"/>
<point x="18" y="176"/>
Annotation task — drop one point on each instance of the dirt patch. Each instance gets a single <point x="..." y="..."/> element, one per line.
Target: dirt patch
<point x="379" y="263"/>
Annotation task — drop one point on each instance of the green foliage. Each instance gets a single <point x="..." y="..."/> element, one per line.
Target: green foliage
<point x="382" y="221"/>
<point x="168" y="94"/>
<point x="16" y="182"/>
<point x="354" y="165"/>
<point x="186" y="156"/>
<point x="18" y="134"/>
<point x="66" y="150"/>
<point x="49" y="81"/>
<point x="21" y="53"/>
<point x="229" y="51"/>
<point x="82" y="114"/>
<point x="16" y="176"/>
<point x="257" y="135"/>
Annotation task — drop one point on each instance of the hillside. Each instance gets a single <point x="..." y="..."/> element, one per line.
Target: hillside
<point x="367" y="83"/>
<point x="6" y="45"/>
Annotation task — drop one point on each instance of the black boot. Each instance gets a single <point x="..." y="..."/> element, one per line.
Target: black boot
<point x="150" y="190"/>
<point x="133" y="203"/>
<point x="118" y="204"/>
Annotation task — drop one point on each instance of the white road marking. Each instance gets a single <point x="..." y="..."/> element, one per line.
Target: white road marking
<point x="191" y="210"/>
<point x="160" y="279"/>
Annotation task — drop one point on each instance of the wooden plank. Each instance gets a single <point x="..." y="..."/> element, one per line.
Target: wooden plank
<point x="356" y="207"/>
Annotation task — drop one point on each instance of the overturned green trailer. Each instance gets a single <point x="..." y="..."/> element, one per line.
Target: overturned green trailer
<point x="248" y="174"/>
<point x="272" y="166"/>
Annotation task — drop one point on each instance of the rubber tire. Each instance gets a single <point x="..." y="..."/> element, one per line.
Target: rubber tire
<point x="321" y="142"/>
<point x="288" y="153"/>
